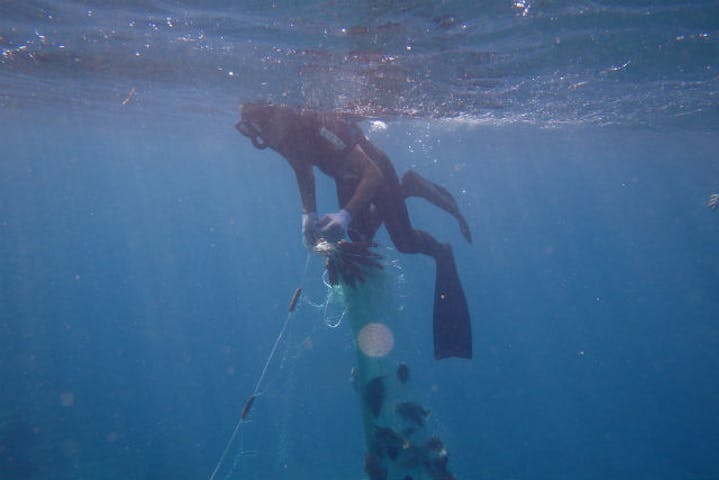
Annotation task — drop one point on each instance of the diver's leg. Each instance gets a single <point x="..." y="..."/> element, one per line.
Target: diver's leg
<point x="396" y="219"/>
<point x="408" y="239"/>
<point x="392" y="210"/>
<point x="451" y="322"/>
<point x="414" y="185"/>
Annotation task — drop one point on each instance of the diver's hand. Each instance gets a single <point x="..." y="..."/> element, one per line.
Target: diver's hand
<point x="310" y="229"/>
<point x="333" y="226"/>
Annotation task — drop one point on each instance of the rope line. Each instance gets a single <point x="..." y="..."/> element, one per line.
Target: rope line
<point x="250" y="400"/>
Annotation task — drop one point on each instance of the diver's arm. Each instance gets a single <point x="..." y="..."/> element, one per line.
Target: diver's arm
<point x="371" y="179"/>
<point x="306" y="185"/>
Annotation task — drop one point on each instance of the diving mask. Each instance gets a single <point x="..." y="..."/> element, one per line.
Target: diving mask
<point x="252" y="131"/>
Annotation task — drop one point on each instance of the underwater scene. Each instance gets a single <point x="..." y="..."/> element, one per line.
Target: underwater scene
<point x="379" y="240"/>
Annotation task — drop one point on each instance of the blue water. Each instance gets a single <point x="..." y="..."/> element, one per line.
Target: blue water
<point x="147" y="251"/>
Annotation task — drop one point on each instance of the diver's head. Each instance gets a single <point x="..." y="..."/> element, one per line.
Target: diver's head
<point x="266" y="125"/>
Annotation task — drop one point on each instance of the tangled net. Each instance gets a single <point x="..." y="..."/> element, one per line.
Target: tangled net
<point x="348" y="261"/>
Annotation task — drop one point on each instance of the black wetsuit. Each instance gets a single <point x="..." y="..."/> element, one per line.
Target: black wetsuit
<point x="324" y="140"/>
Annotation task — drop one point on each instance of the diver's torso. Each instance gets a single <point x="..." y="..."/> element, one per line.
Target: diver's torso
<point x="324" y="140"/>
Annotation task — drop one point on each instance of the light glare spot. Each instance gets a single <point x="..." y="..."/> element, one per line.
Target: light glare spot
<point x="377" y="126"/>
<point x="67" y="399"/>
<point x="375" y="340"/>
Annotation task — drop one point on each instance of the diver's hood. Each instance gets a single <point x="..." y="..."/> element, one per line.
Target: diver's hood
<point x="253" y="131"/>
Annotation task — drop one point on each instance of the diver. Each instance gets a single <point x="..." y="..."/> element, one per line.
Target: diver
<point x="370" y="194"/>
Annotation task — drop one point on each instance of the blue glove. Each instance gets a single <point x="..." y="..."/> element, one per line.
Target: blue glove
<point x="333" y="226"/>
<point x="310" y="230"/>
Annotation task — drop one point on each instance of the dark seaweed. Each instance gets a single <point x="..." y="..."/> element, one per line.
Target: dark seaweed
<point x="412" y="412"/>
<point x="402" y="373"/>
<point x="374" y="395"/>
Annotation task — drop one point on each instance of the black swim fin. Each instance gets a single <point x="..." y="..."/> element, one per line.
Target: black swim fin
<point x="452" y="327"/>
